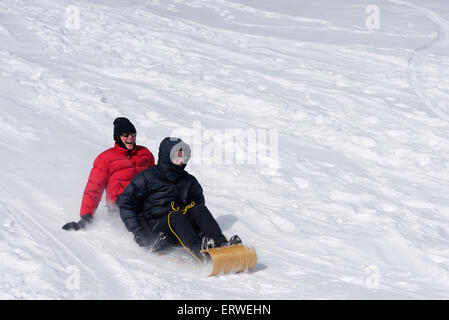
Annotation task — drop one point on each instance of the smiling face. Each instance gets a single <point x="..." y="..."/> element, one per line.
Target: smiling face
<point x="129" y="140"/>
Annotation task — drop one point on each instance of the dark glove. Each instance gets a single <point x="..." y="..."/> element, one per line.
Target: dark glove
<point x="141" y="238"/>
<point x="160" y="243"/>
<point x="85" y="219"/>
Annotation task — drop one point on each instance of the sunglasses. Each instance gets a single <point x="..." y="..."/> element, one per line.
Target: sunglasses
<point x="126" y="134"/>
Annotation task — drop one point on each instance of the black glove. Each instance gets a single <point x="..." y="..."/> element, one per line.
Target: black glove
<point x="85" y="219"/>
<point x="141" y="238"/>
<point x="160" y="243"/>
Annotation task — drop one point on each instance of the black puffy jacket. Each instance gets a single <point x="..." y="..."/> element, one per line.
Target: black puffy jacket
<point x="151" y="192"/>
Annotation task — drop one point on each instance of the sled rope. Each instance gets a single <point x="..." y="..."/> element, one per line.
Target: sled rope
<point x="177" y="209"/>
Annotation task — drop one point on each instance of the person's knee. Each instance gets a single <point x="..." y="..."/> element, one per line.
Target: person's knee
<point x="199" y="208"/>
<point x="177" y="219"/>
<point x="181" y="225"/>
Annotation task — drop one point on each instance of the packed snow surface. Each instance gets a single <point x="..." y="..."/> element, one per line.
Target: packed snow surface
<point x="345" y="196"/>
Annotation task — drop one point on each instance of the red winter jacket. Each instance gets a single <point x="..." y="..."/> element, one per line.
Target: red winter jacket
<point x="113" y="170"/>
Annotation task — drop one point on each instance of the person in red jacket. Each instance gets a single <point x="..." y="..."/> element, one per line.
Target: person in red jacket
<point x="112" y="171"/>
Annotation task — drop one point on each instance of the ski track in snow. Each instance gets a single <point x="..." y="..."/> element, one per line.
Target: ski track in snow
<point x="363" y="144"/>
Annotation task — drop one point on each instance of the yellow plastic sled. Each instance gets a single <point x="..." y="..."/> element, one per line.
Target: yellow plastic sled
<point x="232" y="259"/>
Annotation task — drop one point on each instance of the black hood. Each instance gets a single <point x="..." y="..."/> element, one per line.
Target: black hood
<point x="164" y="163"/>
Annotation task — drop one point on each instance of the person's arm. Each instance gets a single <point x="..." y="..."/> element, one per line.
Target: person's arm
<point x="96" y="184"/>
<point x="131" y="200"/>
<point x="196" y="192"/>
<point x="93" y="192"/>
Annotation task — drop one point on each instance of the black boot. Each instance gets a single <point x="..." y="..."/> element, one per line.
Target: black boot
<point x="235" y="240"/>
<point x="206" y="243"/>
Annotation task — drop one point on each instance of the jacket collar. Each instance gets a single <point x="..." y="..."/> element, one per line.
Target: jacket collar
<point x="124" y="151"/>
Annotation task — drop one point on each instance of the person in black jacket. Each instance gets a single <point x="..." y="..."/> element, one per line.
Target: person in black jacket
<point x="165" y="205"/>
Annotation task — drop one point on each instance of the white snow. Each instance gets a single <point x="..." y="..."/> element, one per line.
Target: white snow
<point x="356" y="206"/>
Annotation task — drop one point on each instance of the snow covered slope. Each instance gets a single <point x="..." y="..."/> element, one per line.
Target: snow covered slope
<point x="355" y="118"/>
